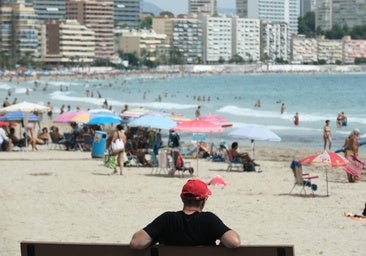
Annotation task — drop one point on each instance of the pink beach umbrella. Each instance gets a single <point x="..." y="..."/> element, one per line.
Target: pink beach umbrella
<point x="216" y="119"/>
<point x="67" y="117"/>
<point x="198" y="125"/>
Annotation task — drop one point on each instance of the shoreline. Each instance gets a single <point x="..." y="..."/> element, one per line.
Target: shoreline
<point x="181" y="70"/>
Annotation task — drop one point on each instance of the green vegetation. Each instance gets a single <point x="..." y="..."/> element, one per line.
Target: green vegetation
<point x="306" y="26"/>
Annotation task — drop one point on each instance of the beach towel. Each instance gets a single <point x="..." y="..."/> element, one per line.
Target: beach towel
<point x="355" y="216"/>
<point x="110" y="161"/>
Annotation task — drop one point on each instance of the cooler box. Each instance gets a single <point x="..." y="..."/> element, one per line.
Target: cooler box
<point x="99" y="144"/>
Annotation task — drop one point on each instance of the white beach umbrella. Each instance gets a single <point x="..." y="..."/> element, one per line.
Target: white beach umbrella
<point x="254" y="132"/>
<point x="24" y="107"/>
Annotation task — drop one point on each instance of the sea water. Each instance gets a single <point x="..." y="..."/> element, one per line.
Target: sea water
<point x="316" y="97"/>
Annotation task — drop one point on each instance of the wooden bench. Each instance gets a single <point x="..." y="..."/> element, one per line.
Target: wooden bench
<point x="94" y="249"/>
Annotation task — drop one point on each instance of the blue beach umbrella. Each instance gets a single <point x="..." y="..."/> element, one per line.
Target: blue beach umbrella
<point x="19" y="116"/>
<point x="104" y="119"/>
<point x="153" y="121"/>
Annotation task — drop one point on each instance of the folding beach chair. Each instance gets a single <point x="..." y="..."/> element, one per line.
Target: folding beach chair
<point x="302" y="180"/>
<point x="233" y="162"/>
<point x="163" y="165"/>
<point x="179" y="164"/>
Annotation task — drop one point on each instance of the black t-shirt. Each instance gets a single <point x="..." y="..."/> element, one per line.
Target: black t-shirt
<point x="180" y="229"/>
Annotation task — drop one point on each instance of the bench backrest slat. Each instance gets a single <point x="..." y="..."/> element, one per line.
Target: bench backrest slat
<point x="94" y="249"/>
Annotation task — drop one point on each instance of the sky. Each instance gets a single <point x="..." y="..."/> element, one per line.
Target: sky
<point x="181" y="6"/>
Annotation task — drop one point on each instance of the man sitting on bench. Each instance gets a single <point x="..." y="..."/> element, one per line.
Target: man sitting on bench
<point x="189" y="227"/>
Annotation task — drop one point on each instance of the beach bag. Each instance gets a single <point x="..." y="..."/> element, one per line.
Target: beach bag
<point x="249" y="167"/>
<point x="118" y="145"/>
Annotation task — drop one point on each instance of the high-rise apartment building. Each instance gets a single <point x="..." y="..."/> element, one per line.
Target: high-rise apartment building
<point x="274" y="41"/>
<point x="163" y="25"/>
<point x="187" y="39"/>
<point x="246" y="38"/>
<point x="147" y="45"/>
<point x="49" y="9"/>
<point x="127" y="13"/>
<point x="323" y="14"/>
<point x="339" y="12"/>
<point x="97" y="16"/>
<point x="24" y="32"/>
<point x="349" y="12"/>
<point x="273" y="10"/>
<point x="217" y="38"/>
<point x="66" y="42"/>
<point x="6" y="13"/>
<point x="305" y="7"/>
<point x="202" y="7"/>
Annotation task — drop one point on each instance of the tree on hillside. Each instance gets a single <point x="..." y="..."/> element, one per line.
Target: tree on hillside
<point x="167" y="13"/>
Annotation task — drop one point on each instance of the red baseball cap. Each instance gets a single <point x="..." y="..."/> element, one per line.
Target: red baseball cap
<point x="195" y="189"/>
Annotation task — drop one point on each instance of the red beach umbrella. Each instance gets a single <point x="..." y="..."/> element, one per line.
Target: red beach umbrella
<point x="325" y="159"/>
<point x="4" y="123"/>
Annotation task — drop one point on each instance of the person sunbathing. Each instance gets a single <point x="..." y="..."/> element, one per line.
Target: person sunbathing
<point x="248" y="163"/>
<point x="14" y="139"/>
<point x="32" y="139"/>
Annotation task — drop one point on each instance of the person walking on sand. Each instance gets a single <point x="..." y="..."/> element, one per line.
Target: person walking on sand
<point x="189" y="227"/>
<point x="327" y="135"/>
<point x="118" y="134"/>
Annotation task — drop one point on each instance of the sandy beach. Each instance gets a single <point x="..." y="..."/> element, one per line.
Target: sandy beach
<point x="54" y="195"/>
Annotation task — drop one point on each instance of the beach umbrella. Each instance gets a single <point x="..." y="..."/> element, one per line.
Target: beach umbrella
<point x="81" y="117"/>
<point x="66" y="117"/>
<point x="216" y="119"/>
<point x="135" y="112"/>
<point x="198" y="125"/>
<point x="20" y="116"/>
<point x="4" y="123"/>
<point x="104" y="119"/>
<point x="100" y="111"/>
<point x="254" y="132"/>
<point x="153" y="121"/>
<point x="325" y="159"/>
<point x="24" y="107"/>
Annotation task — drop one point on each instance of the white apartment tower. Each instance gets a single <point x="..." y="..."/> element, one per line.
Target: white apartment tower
<point x="217" y="38"/>
<point x="66" y="42"/>
<point x="274" y="42"/>
<point x="202" y="7"/>
<point x="246" y="38"/>
<point x="323" y="14"/>
<point x="274" y="10"/>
